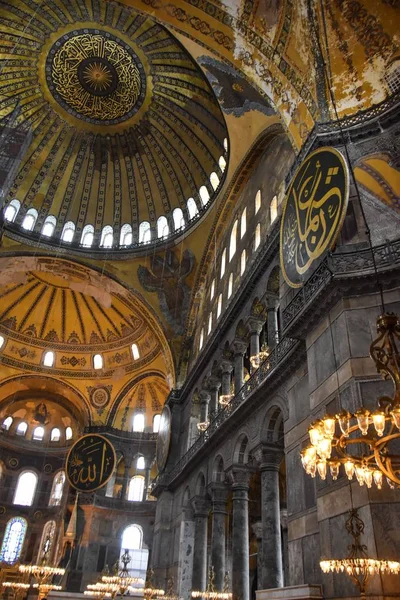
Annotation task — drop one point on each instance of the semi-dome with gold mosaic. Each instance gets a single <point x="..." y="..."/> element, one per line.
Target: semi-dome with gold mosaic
<point x="125" y="141"/>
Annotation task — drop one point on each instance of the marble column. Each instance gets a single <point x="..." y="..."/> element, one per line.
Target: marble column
<point x="146" y="483"/>
<point x="213" y="385"/>
<point x="219" y="493"/>
<point x="257" y="529"/>
<point x="255" y="327"/>
<point x="125" y="482"/>
<point x="226" y="370"/>
<point x="204" y="404"/>
<point x="269" y="459"/>
<point x="272" y="327"/>
<point x="240" y="533"/>
<point x="200" y="508"/>
<point x="239" y="348"/>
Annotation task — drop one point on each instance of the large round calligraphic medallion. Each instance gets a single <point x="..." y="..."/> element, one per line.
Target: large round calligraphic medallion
<point x="95" y="76"/>
<point x="313" y="213"/>
<point x="90" y="463"/>
<point x="164" y="438"/>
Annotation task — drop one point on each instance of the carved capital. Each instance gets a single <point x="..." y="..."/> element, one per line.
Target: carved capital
<point x="204" y="396"/>
<point x="200" y="506"/>
<point x="239" y="476"/>
<point x="258" y="530"/>
<point x="213" y="383"/>
<point x="226" y="366"/>
<point x="268" y="457"/>
<point x="239" y="347"/>
<point x="255" y="325"/>
<point x="219" y="496"/>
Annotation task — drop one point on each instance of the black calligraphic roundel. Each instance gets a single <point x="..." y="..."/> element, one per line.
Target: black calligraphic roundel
<point x="163" y="439"/>
<point x="90" y="463"/>
<point x="313" y="213"/>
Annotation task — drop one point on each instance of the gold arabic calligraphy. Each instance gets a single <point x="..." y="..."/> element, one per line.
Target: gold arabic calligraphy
<point x="90" y="463"/>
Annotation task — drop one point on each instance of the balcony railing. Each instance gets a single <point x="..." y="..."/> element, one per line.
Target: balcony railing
<point x="139" y="436"/>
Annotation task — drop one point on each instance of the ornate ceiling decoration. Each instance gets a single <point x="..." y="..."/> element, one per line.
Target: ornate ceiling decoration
<point x="125" y="127"/>
<point x="148" y="396"/>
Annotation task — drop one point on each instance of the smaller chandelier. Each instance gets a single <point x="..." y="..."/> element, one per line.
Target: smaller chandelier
<point x="120" y="582"/>
<point x="259" y="358"/>
<point x="211" y="593"/>
<point x="150" y="591"/>
<point x="224" y="399"/>
<point x="203" y="425"/>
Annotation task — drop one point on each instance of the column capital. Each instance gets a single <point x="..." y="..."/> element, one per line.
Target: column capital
<point x="226" y="366"/>
<point x="268" y="457"/>
<point x="239" y="476"/>
<point x="204" y="396"/>
<point x="255" y="325"/>
<point x="258" y="530"/>
<point x="219" y="496"/>
<point x="213" y="383"/>
<point x="200" y="506"/>
<point x="239" y="347"/>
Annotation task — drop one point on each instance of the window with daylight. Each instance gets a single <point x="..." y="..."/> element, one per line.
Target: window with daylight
<point x="68" y="433"/>
<point x="107" y="237"/>
<point x="126" y="238"/>
<point x="212" y="291"/>
<point x="214" y="180"/>
<point x="257" y="237"/>
<point x="140" y="464"/>
<point x="179" y="221"/>
<point x="192" y="208"/>
<point x="144" y="233"/>
<point x="57" y="489"/>
<point x="136" y="488"/>
<point x="87" y="236"/>
<point x="38" y="433"/>
<point x="156" y="423"/>
<point x="257" y="202"/>
<point x="226" y="144"/>
<point x="68" y="232"/>
<point x="12" y="210"/>
<point x="219" y="306"/>
<point x="273" y="209"/>
<point x="162" y="228"/>
<point x="97" y="361"/>
<point x="55" y="435"/>
<point x="132" y="540"/>
<point x="209" y="322"/>
<point x="204" y="195"/>
<point x="232" y="245"/>
<point x="2" y="340"/>
<point x="243" y="262"/>
<point x="138" y="422"/>
<point x="7" y="423"/>
<point x="243" y="223"/>
<point x="48" y="358"/>
<point x="49" y="226"/>
<point x="222" y="163"/>
<point x="13" y="540"/>
<point x="26" y="488"/>
<point x="223" y="263"/>
<point x="47" y="541"/>
<point x="230" y="285"/>
<point x="22" y="428"/>
<point x="135" y="352"/>
<point x="201" y="341"/>
<point x="30" y="219"/>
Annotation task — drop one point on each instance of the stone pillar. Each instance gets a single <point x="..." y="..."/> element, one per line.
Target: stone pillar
<point x="226" y="370"/>
<point x="255" y="327"/>
<point x="125" y="482"/>
<point x="239" y="348"/>
<point x="204" y="403"/>
<point x="219" y="493"/>
<point x="213" y="385"/>
<point x="240" y="533"/>
<point x="269" y="459"/>
<point x="146" y="483"/>
<point x="285" y="552"/>
<point x="200" y="508"/>
<point x="257" y="529"/>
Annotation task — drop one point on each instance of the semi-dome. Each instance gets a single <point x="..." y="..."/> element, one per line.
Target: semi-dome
<point x="127" y="142"/>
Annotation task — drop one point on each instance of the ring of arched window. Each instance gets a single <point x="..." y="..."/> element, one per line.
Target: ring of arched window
<point x="38" y="433"/>
<point x="179" y="221"/>
<point x="204" y="195"/>
<point x="12" y="210"/>
<point x="156" y="423"/>
<point x="126" y="237"/>
<point x="87" y="236"/>
<point x="135" y="352"/>
<point x="192" y="208"/>
<point x="8" y="421"/>
<point x="214" y="180"/>
<point x="25" y="489"/>
<point x="68" y="433"/>
<point x="49" y="226"/>
<point x="68" y="232"/>
<point x="22" y="428"/>
<point x="138" y="422"/>
<point x="30" y="219"/>
<point x="144" y="233"/>
<point x="48" y="358"/>
<point x="97" y="361"/>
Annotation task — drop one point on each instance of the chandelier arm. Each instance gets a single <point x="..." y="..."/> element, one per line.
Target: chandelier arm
<point x="388" y="472"/>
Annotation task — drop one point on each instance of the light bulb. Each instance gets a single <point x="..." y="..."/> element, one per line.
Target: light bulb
<point x="312" y="469"/>
<point x="324" y="448"/>
<point x="390" y="483"/>
<point x="368" y="477"/>
<point x="360" y="474"/>
<point x="379" y="420"/>
<point x="344" y="422"/>
<point x="329" y="424"/>
<point x="349" y="468"/>
<point x="362" y="419"/>
<point x="321" y="466"/>
<point x="378" y="478"/>
<point x="396" y="415"/>
<point x="308" y="457"/>
<point x="334" y="468"/>
<point x="315" y="433"/>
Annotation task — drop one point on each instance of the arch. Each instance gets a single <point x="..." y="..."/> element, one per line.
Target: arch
<point x="243" y="262"/>
<point x="156" y="423"/>
<point x="26" y="487"/>
<point x="55" y="435"/>
<point x="257" y="236"/>
<point x="68" y="232"/>
<point x="87" y="236"/>
<point x="219" y="306"/>
<point x="212" y="290"/>
<point x="392" y="76"/>
<point x="98" y="361"/>
<point x="204" y="195"/>
<point x="10" y="214"/>
<point x="241" y="451"/>
<point x="200" y="485"/>
<point x="233" y="238"/>
<point x="136" y="488"/>
<point x="138" y="422"/>
<point x="257" y="202"/>
<point x="271" y="431"/>
<point x="226" y="144"/>
<point x="107" y="237"/>
<point x="126" y="236"/>
<point x="192" y="208"/>
<point x="47" y="542"/>
<point x="8" y="421"/>
<point x="179" y="220"/>
<point x="48" y="358"/>
<point x="68" y="433"/>
<point x="274" y="280"/>
<point x="49" y="226"/>
<point x="162" y="228"/>
<point x="230" y="285"/>
<point x="201" y="340"/>
<point x="29" y="220"/>
<point x="2" y="340"/>
<point x="22" y="428"/>
<point x="57" y="489"/>
<point x="223" y="263"/>
<point x="38" y="433"/>
<point x="210" y="320"/>
<point x="273" y="209"/>
<point x="13" y="540"/>
<point x="132" y="538"/>
<point x="144" y="232"/>
<point x="214" y="180"/>
<point x="218" y="470"/>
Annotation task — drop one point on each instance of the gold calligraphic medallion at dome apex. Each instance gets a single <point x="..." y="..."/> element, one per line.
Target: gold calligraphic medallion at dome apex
<point x="313" y="213"/>
<point x="90" y="463"/>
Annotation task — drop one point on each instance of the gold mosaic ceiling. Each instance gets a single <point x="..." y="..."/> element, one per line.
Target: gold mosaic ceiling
<point x="125" y="126"/>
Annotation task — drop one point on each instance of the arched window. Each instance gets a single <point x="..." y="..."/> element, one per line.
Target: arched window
<point x="135" y="352"/>
<point x="140" y="464"/>
<point x="22" y="428"/>
<point x="232" y="245"/>
<point x="68" y="433"/>
<point x="49" y="226"/>
<point x="219" y="307"/>
<point x="132" y="541"/>
<point x="30" y="219"/>
<point x="243" y="223"/>
<point x="132" y="538"/>
<point x="243" y="262"/>
<point x="144" y="232"/>
<point x="273" y="209"/>
<point x="48" y="358"/>
<point x="222" y="163"/>
<point x="192" y="208"/>
<point x="214" y="180"/>
<point x="212" y="291"/>
<point x="107" y="237"/>
<point x="201" y="341"/>
<point x="57" y="489"/>
<point x="136" y="488"/>
<point x="156" y="423"/>
<point x="38" y="433"/>
<point x="2" y="340"/>
<point x="87" y="236"/>
<point x="13" y="540"/>
<point x="26" y="488"/>
<point x="230" y="285"/>
<point x="97" y="361"/>
<point x="162" y="227"/>
<point x="209" y="322"/>
<point x="257" y="237"/>
<point x="138" y="422"/>
<point x="179" y="221"/>
<point x="204" y="195"/>
<point x="223" y="263"/>
<point x="226" y="144"/>
<point x="126" y="237"/>
<point x="257" y="202"/>
<point x="68" y="232"/>
<point x="7" y="423"/>
<point x="47" y="541"/>
<point x="12" y="210"/>
<point x="55" y="435"/>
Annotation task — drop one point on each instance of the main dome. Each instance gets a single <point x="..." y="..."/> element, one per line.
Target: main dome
<point x="126" y="138"/>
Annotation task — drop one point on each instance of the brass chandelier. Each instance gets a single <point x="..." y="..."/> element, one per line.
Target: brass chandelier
<point x="211" y="593"/>
<point x="366" y="443"/>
